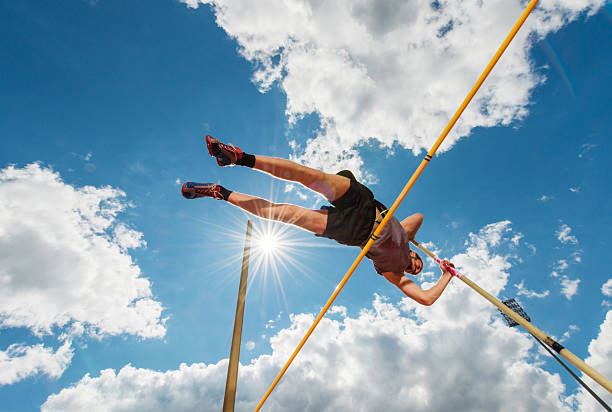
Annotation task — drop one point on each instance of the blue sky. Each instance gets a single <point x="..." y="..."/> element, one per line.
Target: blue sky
<point x="111" y="280"/>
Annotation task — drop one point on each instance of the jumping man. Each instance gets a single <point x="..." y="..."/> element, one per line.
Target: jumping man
<point x="351" y="220"/>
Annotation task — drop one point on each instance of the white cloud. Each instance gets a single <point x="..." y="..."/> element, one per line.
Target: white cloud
<point x="532" y="248"/>
<point x="339" y="310"/>
<point x="198" y="387"/>
<point x="517" y="238"/>
<point x="574" y="189"/>
<point x="561" y="265"/>
<point x="86" y="157"/>
<point x="600" y="353"/>
<point x="585" y="148"/>
<point x="544" y="198"/>
<point x="19" y="362"/>
<point x="355" y="363"/>
<point x="569" y="287"/>
<point x="250" y="345"/>
<point x="568" y="333"/>
<point x="563" y="234"/>
<point x="392" y="70"/>
<point x="606" y="289"/>
<point x="522" y="290"/>
<point x="64" y="260"/>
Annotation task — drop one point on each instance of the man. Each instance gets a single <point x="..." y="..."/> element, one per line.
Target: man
<point x="351" y="220"/>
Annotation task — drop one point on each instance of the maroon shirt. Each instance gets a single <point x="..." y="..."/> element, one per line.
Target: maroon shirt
<point x="391" y="251"/>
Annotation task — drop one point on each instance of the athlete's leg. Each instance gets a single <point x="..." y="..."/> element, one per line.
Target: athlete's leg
<point x="330" y="186"/>
<point x="314" y="221"/>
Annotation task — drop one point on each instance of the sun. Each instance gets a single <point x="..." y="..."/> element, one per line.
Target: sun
<point x="277" y="254"/>
<point x="268" y="243"/>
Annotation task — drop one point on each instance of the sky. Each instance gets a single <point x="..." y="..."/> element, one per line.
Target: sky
<point x="118" y="294"/>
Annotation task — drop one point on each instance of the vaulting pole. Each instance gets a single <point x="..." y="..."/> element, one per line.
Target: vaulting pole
<point x="403" y="194"/>
<point x="573" y="359"/>
<point x="232" y="370"/>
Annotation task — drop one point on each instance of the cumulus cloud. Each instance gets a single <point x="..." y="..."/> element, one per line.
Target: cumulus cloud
<point x="563" y="235"/>
<point x="600" y="353"/>
<point x="390" y="355"/>
<point x="64" y="263"/>
<point x="393" y="71"/>
<point x="19" y="362"/>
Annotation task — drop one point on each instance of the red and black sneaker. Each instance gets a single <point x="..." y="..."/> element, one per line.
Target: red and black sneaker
<point x="192" y="190"/>
<point x="226" y="154"/>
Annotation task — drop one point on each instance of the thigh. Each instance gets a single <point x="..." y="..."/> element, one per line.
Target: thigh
<point x="314" y="221"/>
<point x="331" y="186"/>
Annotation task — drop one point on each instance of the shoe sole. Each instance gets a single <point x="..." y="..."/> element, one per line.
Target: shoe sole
<point x="209" y="145"/>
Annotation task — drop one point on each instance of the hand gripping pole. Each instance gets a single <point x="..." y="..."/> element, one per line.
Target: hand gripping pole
<point x="573" y="359"/>
<point x="404" y="192"/>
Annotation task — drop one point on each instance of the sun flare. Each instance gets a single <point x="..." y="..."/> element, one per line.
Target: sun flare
<point x="268" y="243"/>
<point x="278" y="254"/>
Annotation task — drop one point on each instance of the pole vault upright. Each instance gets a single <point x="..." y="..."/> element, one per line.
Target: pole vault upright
<point x="404" y="192"/>
<point x="232" y="370"/>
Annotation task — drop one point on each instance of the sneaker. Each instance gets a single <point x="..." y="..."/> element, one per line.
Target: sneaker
<point x="226" y="154"/>
<point x="192" y="190"/>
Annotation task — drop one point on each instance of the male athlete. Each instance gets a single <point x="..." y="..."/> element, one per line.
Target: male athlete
<point x="351" y="220"/>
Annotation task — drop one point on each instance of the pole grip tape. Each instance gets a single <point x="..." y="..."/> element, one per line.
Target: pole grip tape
<point x="554" y="344"/>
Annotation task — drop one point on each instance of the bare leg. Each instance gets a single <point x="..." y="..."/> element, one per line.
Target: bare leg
<point x="314" y="221"/>
<point x="330" y="186"/>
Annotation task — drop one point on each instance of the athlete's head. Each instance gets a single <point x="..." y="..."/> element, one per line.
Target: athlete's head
<point x="416" y="265"/>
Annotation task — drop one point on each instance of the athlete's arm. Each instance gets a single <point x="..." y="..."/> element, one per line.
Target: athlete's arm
<point x="412" y="224"/>
<point x="425" y="297"/>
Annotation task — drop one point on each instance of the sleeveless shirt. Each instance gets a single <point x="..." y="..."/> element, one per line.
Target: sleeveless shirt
<point x="391" y="251"/>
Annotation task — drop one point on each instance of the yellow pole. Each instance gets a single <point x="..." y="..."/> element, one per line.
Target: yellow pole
<point x="232" y="369"/>
<point x="403" y="194"/>
<point x="573" y="359"/>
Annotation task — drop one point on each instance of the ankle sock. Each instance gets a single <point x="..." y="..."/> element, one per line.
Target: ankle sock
<point x="224" y="192"/>
<point x="247" y="160"/>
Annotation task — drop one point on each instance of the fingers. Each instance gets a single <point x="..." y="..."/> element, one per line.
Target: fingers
<point x="445" y="263"/>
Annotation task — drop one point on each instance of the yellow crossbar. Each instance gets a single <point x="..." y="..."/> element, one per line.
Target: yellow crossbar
<point x="403" y="194"/>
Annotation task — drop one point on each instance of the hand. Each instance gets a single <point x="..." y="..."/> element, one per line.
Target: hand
<point x="444" y="264"/>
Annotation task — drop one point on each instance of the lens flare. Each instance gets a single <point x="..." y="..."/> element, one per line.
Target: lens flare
<point x="268" y="243"/>
<point x="279" y="254"/>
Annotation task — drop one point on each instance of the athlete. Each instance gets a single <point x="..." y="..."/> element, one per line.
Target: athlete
<point x="351" y="220"/>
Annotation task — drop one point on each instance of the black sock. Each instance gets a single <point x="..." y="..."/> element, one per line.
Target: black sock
<point x="224" y="192"/>
<point x="247" y="160"/>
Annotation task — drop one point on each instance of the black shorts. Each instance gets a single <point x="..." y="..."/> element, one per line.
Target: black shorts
<point x="351" y="218"/>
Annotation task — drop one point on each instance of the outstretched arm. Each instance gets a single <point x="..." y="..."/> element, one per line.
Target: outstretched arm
<point x="412" y="224"/>
<point x="412" y="290"/>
